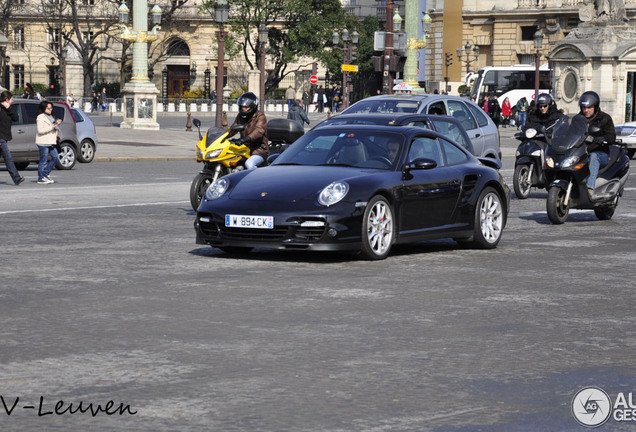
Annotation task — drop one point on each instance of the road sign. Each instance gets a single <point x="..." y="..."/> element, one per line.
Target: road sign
<point x="349" y="68"/>
<point x="313" y="79"/>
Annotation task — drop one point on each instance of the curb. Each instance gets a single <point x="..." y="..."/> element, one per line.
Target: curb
<point x="143" y="158"/>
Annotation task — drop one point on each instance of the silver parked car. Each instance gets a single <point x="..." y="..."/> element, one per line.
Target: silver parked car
<point x="23" y="148"/>
<point x="86" y="135"/>
<point x="627" y="133"/>
<point x="483" y="133"/>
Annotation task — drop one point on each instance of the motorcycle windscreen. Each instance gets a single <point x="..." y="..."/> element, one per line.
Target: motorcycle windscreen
<point x="214" y="133"/>
<point x="569" y="132"/>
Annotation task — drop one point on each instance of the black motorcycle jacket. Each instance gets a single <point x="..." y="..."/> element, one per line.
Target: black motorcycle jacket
<point x="606" y="131"/>
<point x="536" y="119"/>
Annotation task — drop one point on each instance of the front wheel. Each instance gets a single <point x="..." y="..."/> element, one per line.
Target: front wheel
<point x="87" y="151"/>
<point x="522" y="181"/>
<point x="558" y="210"/>
<point x="67" y="157"/>
<point x="378" y="229"/>
<point x="199" y="185"/>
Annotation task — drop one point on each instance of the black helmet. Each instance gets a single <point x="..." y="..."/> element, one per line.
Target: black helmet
<point x="248" y="99"/>
<point x="544" y="99"/>
<point x="590" y="99"/>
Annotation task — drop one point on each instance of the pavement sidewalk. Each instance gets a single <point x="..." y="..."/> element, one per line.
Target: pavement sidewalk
<point x="173" y="142"/>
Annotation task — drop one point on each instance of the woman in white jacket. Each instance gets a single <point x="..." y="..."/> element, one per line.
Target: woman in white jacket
<point x="46" y="139"/>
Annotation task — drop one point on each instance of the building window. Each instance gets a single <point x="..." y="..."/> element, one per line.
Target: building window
<point x="87" y="36"/>
<point x="88" y="2"/>
<point x="18" y="38"/>
<point x="54" y="39"/>
<point x="18" y="76"/>
<point x="527" y="32"/>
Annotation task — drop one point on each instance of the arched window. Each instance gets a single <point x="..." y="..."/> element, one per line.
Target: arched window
<point x="178" y="47"/>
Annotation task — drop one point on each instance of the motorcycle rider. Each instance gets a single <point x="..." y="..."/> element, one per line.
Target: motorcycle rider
<point x="598" y="149"/>
<point x="255" y="133"/>
<point x="544" y="114"/>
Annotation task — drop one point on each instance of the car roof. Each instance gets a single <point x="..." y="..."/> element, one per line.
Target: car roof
<point x="402" y="130"/>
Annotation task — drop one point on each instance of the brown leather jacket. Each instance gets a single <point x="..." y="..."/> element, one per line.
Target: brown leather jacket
<point x="256" y="129"/>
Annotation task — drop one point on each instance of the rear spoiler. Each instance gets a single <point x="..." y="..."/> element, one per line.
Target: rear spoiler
<point x="490" y="162"/>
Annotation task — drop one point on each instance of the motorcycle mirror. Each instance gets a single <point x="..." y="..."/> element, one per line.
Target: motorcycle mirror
<point x="196" y="122"/>
<point x="594" y="129"/>
<point x="237" y="128"/>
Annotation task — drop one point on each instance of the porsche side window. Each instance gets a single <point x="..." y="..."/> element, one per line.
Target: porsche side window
<point x="462" y="114"/>
<point x="16" y="108"/>
<point x="421" y="124"/>
<point x="452" y="153"/>
<point x="428" y="148"/>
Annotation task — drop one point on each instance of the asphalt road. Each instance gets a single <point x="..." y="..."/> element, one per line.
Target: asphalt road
<point x="104" y="296"/>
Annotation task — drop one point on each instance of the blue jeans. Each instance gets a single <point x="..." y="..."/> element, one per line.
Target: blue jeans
<point x="44" y="167"/>
<point x="8" y="161"/>
<point x="290" y="104"/>
<point x="521" y="117"/>
<point x="598" y="160"/>
<point x="253" y="162"/>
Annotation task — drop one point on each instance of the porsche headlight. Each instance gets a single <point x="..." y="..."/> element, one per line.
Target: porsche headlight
<point x="333" y="193"/>
<point x="217" y="188"/>
<point x="549" y="162"/>
<point x="213" y="154"/>
<point x="569" y="162"/>
<point x="531" y="133"/>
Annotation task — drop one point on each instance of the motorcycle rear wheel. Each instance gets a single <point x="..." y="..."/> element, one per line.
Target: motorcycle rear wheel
<point x="604" y="213"/>
<point x="520" y="181"/>
<point x="558" y="210"/>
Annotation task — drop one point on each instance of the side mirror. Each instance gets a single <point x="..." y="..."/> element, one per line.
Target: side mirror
<point x="594" y="130"/>
<point x="419" y="164"/>
<point x="196" y="122"/>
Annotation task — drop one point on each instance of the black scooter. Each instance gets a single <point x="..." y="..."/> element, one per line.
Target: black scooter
<point x="567" y="168"/>
<point x="529" y="160"/>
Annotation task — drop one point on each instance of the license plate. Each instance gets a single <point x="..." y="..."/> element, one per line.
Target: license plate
<point x="245" y="221"/>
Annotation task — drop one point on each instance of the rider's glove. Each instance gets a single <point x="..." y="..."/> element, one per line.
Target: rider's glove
<point x="242" y="140"/>
<point x="599" y="140"/>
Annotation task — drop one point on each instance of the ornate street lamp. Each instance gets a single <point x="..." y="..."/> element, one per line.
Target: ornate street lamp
<point x="263" y="31"/>
<point x="415" y="43"/>
<point x="140" y="94"/>
<point x="468" y="61"/>
<point x="537" y="40"/>
<point x="222" y="14"/>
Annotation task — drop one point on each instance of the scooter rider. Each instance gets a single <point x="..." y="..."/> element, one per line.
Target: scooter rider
<point x="255" y="133"/>
<point x="598" y="149"/>
<point x="544" y="114"/>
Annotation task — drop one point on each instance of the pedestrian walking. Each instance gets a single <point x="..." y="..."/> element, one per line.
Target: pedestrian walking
<point x="506" y="112"/>
<point x="94" y="102"/>
<point x="306" y="100"/>
<point x="290" y="95"/>
<point x="103" y="99"/>
<point x="298" y="114"/>
<point x="46" y="138"/>
<point x="7" y="116"/>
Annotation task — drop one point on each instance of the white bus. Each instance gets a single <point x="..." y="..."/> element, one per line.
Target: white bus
<point x="512" y="82"/>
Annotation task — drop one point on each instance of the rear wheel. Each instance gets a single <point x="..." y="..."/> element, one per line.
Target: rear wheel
<point x="20" y="166"/>
<point x="490" y="217"/>
<point x="522" y="181"/>
<point x="67" y="157"/>
<point x="558" y="210"/>
<point x="631" y="153"/>
<point x="378" y="229"/>
<point x="86" y="152"/>
<point x="604" y="213"/>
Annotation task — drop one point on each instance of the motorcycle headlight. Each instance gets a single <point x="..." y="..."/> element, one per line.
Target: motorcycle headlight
<point x="217" y="188"/>
<point x="333" y="193"/>
<point x="213" y="154"/>
<point x="569" y="162"/>
<point x="530" y="133"/>
<point x="549" y="162"/>
<point x="199" y="153"/>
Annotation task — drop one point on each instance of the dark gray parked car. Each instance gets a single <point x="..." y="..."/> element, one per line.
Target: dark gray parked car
<point x="483" y="133"/>
<point x="23" y="147"/>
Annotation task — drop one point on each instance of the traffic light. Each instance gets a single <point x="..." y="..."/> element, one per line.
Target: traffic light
<point x="449" y="59"/>
<point x="354" y="50"/>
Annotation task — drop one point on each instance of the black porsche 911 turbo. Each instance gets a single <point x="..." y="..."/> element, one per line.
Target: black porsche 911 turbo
<point x="358" y="188"/>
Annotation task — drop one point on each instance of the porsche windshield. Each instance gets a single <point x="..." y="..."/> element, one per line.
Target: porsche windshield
<point x="361" y="149"/>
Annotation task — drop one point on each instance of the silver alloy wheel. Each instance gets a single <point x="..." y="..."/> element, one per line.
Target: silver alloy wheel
<point x="380" y="227"/>
<point x="491" y="218"/>
<point x="87" y="151"/>
<point x="67" y="157"/>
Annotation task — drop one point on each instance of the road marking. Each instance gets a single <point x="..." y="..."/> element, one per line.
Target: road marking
<point x="94" y="207"/>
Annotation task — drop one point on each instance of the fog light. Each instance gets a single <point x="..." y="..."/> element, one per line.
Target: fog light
<point x="331" y="232"/>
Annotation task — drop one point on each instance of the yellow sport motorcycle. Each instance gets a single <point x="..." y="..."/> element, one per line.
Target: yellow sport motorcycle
<point x="220" y="156"/>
